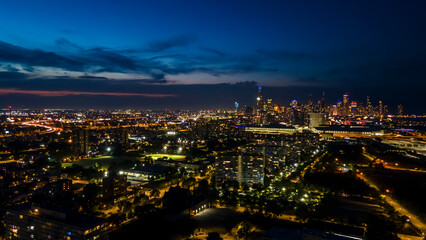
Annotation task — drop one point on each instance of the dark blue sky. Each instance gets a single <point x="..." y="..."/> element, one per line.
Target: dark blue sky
<point x="186" y="54"/>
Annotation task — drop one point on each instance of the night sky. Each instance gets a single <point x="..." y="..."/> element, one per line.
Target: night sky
<point x="209" y="54"/>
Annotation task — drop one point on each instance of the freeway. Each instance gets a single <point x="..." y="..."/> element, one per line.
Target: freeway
<point x="49" y="129"/>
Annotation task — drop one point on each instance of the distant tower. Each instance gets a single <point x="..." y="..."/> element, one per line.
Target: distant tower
<point x="310" y="103"/>
<point x="369" y="107"/>
<point x="400" y="110"/>
<point x="354" y="108"/>
<point x="380" y="109"/>
<point x="10" y="112"/>
<point x="322" y="102"/>
<point x="346" y="104"/>
<point x="259" y="103"/>
<point x="269" y="106"/>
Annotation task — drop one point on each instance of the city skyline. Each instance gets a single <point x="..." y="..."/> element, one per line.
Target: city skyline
<point x="154" y="55"/>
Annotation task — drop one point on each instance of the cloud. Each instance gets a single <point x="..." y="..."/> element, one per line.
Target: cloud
<point x="44" y="93"/>
<point x="214" y="51"/>
<point x="179" y="41"/>
<point x="62" y="42"/>
<point x="92" y="77"/>
<point x="103" y="61"/>
<point x="14" y="54"/>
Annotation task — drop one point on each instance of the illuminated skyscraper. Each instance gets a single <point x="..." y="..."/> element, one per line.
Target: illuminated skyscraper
<point x="346" y="104"/>
<point x="269" y="107"/>
<point x="354" y="108"/>
<point x="322" y="102"/>
<point x="380" y="109"/>
<point x="369" y="107"/>
<point x="400" y="110"/>
<point x="259" y="103"/>
<point x="259" y="111"/>
<point x="310" y="104"/>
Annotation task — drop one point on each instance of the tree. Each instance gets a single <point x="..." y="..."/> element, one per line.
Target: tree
<point x="140" y="199"/>
<point x="244" y="229"/>
<point x="303" y="212"/>
<point x="154" y="193"/>
<point x="17" y="146"/>
<point x="214" y="236"/>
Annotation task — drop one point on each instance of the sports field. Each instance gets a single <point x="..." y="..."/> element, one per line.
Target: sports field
<point x="155" y="156"/>
<point x="104" y="162"/>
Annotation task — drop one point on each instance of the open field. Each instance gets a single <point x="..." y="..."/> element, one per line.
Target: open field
<point x="104" y="162"/>
<point x="155" y="156"/>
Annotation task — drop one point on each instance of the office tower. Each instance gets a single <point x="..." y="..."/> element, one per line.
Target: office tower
<point x="259" y="111"/>
<point x="310" y="103"/>
<point x="346" y="104"/>
<point x="354" y="108"/>
<point x="322" y="102"/>
<point x="269" y="107"/>
<point x="334" y="110"/>
<point x="380" y="109"/>
<point x="259" y="103"/>
<point x="339" y="107"/>
<point x="318" y="106"/>
<point x="400" y="110"/>
<point x="369" y="107"/>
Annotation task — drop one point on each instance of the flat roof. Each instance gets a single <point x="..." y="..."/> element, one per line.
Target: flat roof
<point x="66" y="216"/>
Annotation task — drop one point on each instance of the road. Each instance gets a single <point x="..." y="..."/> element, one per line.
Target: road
<point x="8" y="161"/>
<point x="49" y="129"/>
<point x="415" y="220"/>
<point x="392" y="167"/>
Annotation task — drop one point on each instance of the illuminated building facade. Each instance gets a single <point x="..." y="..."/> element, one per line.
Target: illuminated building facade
<point x="34" y="222"/>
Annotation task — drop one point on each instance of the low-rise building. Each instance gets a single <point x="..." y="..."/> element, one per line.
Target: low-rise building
<point x="35" y="222"/>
